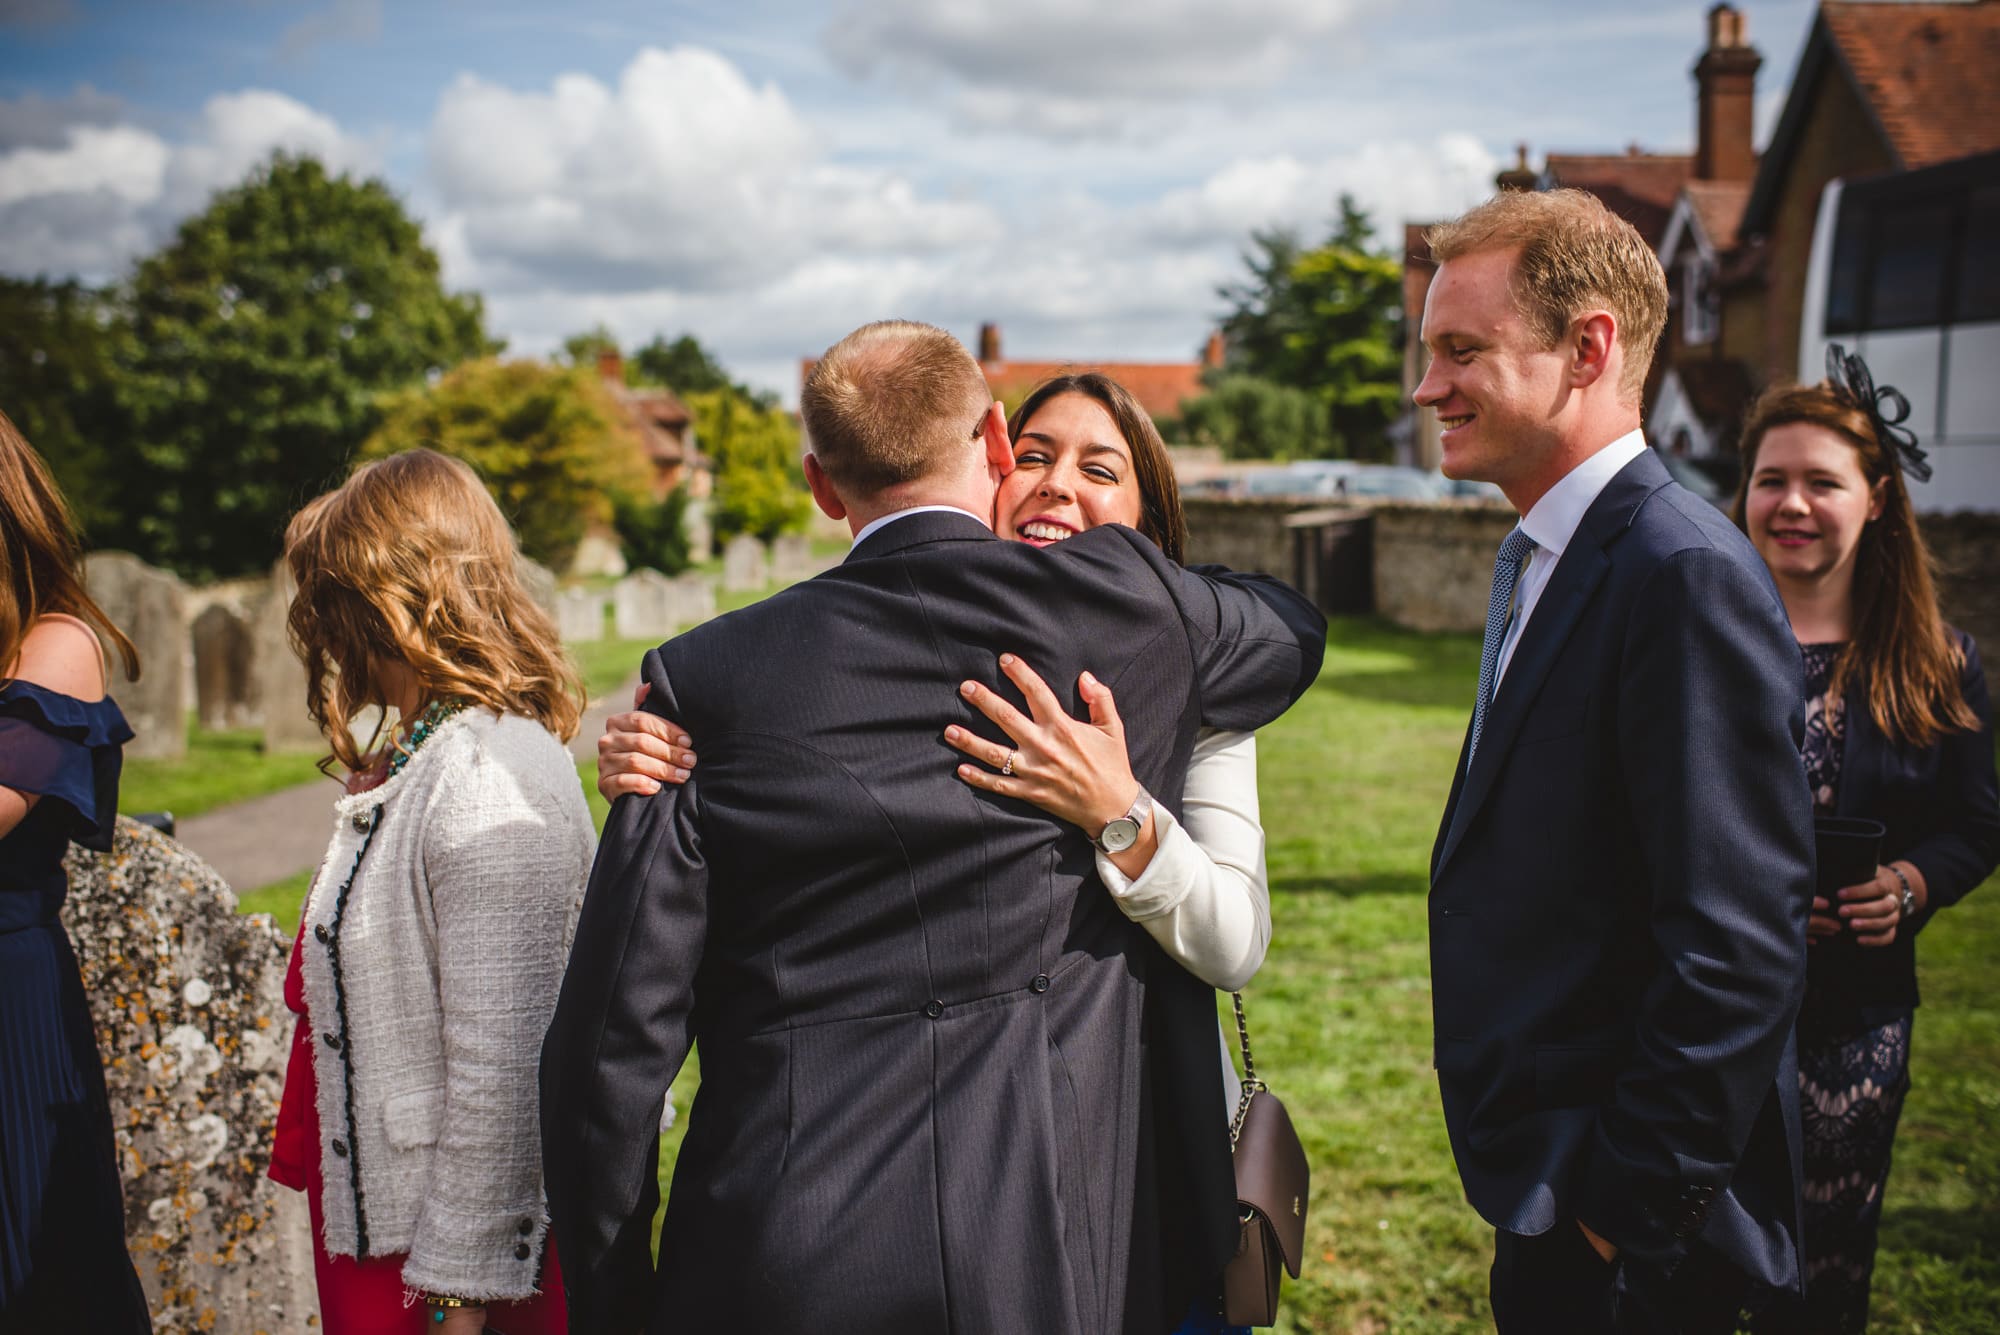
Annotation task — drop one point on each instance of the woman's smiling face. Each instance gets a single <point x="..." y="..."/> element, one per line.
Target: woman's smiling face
<point x="1072" y="472"/>
<point x="1807" y="503"/>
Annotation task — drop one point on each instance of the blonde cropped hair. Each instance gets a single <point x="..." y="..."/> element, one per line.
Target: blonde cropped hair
<point x="892" y="402"/>
<point x="410" y="562"/>
<point x="1575" y="255"/>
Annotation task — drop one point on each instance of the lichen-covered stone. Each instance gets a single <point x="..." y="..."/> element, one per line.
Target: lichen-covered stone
<point x="188" y="1000"/>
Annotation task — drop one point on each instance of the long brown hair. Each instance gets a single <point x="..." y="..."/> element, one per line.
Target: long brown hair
<point x="1160" y="516"/>
<point x="1899" y="650"/>
<point x="410" y="562"/>
<point x="38" y="555"/>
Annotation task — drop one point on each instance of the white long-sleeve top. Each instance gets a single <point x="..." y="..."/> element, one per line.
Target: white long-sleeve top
<point x="1206" y="897"/>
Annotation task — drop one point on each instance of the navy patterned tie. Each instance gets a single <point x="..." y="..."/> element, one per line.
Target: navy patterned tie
<point x="1499" y="612"/>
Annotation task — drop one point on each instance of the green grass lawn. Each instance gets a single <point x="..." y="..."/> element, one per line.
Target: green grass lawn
<point x="1352" y="782"/>
<point x="218" y="768"/>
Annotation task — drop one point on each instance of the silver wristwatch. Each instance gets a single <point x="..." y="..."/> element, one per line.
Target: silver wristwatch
<point x="1123" y="832"/>
<point x="1908" y="907"/>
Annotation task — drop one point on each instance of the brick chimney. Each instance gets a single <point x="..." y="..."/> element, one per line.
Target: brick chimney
<point x="1520" y="176"/>
<point x="1726" y="100"/>
<point x="1215" y="352"/>
<point x="989" y="344"/>
<point x="610" y="366"/>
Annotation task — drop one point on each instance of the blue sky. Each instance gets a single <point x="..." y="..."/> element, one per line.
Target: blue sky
<point x="768" y="175"/>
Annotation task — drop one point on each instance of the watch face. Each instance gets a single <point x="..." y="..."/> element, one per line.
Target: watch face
<point x="1119" y="835"/>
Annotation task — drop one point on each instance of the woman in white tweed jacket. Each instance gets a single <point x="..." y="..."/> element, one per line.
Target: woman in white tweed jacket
<point x="432" y="944"/>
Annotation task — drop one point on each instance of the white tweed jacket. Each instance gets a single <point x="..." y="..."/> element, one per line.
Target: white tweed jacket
<point x="430" y="984"/>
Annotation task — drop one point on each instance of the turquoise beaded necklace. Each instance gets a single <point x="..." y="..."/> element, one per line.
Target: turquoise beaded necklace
<point x="428" y="722"/>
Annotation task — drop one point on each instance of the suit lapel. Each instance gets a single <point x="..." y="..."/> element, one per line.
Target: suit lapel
<point x="1564" y="598"/>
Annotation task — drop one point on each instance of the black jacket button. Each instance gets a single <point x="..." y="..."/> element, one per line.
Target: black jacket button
<point x="527" y="1226"/>
<point x="522" y="1251"/>
<point x="332" y="1041"/>
<point x="340" y="1148"/>
<point x="1039" y="983"/>
<point x="320" y="933"/>
<point x="934" y="1009"/>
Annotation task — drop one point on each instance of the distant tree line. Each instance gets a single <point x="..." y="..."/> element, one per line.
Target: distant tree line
<point x="299" y="323"/>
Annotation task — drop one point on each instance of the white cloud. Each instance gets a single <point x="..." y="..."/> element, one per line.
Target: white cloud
<point x="91" y="197"/>
<point x="1055" y="68"/>
<point x="685" y="175"/>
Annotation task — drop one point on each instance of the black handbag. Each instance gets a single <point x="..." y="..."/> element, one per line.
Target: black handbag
<point x="1272" y="1182"/>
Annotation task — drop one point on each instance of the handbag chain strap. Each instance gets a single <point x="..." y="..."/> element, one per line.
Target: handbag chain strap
<point x="1251" y="1084"/>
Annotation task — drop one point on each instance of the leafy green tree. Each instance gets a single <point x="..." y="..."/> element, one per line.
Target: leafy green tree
<point x="59" y="347"/>
<point x="549" y="442"/>
<point x="652" y="534"/>
<point x="759" y="487"/>
<point x="683" y="366"/>
<point x="1326" y="320"/>
<point x="585" y="348"/>
<point x="1248" y="417"/>
<point x="262" y="337"/>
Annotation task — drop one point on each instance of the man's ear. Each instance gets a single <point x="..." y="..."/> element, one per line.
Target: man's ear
<point x="824" y="496"/>
<point x="999" y="449"/>
<point x="1593" y="341"/>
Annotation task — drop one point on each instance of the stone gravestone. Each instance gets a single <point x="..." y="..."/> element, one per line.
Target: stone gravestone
<point x="694" y="600"/>
<point x="150" y="606"/>
<point x="188" y="1001"/>
<point x="697" y="529"/>
<point x="642" y="606"/>
<point x="225" y="684"/>
<point x="745" y="566"/>
<point x="791" y="558"/>
<point x="281" y="678"/>
<point x="580" y="615"/>
<point x="539" y="581"/>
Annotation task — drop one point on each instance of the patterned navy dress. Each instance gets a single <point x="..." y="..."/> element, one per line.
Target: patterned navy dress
<point x="63" y="1263"/>
<point x="1852" y="1080"/>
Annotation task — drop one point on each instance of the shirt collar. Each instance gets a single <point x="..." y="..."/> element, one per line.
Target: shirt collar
<point x="1553" y="520"/>
<point x="883" y="521"/>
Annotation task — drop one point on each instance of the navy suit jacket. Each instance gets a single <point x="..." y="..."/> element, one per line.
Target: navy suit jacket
<point x="1619" y="895"/>
<point x="928" y="1038"/>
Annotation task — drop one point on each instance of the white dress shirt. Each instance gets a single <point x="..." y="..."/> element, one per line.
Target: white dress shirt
<point x="1552" y="523"/>
<point x="881" y="521"/>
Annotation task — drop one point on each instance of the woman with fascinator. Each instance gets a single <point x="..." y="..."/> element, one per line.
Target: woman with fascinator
<point x="1899" y="731"/>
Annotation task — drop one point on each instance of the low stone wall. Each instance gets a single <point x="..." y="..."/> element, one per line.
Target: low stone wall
<point x="1434" y="563"/>
<point x="1967" y="547"/>
<point x="1242" y="534"/>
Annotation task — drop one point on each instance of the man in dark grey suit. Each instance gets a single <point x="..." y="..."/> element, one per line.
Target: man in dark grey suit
<point x="929" y="1042"/>
<point x="1621" y="880"/>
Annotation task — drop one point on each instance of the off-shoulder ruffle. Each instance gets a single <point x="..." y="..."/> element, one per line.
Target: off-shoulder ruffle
<point x="66" y="749"/>
<point x="91" y="723"/>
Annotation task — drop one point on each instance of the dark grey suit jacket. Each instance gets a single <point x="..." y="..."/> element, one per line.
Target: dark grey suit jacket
<point x="926" y="1064"/>
<point x="1619" y="895"/>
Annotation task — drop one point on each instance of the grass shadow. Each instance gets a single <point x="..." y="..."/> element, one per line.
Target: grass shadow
<point x="1354" y="885"/>
<point x="1948" y="1233"/>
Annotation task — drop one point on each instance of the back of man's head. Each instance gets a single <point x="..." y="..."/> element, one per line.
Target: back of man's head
<point x="894" y="402"/>
<point x="1575" y="255"/>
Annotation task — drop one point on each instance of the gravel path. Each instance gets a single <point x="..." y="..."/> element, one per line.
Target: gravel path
<point x="268" y="838"/>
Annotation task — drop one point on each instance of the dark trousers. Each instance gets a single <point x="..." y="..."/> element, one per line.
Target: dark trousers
<point x="1555" y="1283"/>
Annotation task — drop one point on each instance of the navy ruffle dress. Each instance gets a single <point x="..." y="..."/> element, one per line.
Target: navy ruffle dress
<point x="63" y="1263"/>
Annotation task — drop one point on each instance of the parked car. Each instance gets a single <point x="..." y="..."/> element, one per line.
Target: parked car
<point x="1391" y="482"/>
<point x="1309" y="478"/>
<point x="1465" y="489"/>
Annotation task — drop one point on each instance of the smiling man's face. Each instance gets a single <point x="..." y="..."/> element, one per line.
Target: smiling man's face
<point x="1495" y="385"/>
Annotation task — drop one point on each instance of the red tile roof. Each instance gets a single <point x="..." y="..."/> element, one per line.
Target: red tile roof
<point x="1719" y="207"/>
<point x="1158" y="386"/>
<point x="1929" y="72"/>
<point x="1638" y="187"/>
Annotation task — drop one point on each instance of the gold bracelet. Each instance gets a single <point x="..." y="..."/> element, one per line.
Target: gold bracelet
<point x="447" y="1300"/>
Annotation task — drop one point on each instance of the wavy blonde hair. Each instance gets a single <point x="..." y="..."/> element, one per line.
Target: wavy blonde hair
<point x="410" y="562"/>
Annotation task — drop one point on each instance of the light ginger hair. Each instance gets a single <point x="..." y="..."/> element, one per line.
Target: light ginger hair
<point x="893" y="402"/>
<point x="1573" y="255"/>
<point x="410" y="562"/>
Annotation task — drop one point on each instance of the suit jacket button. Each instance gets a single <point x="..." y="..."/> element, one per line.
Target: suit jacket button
<point x="320" y="934"/>
<point x="1039" y="983"/>
<point x="340" y="1148"/>
<point x="522" y="1251"/>
<point x="934" y="1009"/>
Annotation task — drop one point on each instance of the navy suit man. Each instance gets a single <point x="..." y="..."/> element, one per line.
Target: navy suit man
<point x="1621" y="881"/>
